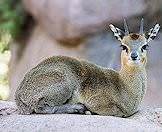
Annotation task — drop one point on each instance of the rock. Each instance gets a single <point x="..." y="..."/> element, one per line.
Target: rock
<point x="149" y="115"/>
<point x="64" y="20"/>
<point x="79" y="123"/>
<point x="7" y="108"/>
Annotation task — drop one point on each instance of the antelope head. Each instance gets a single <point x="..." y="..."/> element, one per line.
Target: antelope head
<point x="134" y="45"/>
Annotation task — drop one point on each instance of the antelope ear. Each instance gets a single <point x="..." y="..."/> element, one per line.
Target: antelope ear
<point x="152" y="32"/>
<point x="118" y="33"/>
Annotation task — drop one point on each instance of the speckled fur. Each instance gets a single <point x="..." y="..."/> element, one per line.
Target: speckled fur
<point x="67" y="85"/>
<point x="59" y="80"/>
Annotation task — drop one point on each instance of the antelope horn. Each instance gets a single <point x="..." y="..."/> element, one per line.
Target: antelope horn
<point x="126" y="27"/>
<point x="141" y="26"/>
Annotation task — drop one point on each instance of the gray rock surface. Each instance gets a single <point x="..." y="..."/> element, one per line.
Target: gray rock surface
<point x="148" y="120"/>
<point x="76" y="18"/>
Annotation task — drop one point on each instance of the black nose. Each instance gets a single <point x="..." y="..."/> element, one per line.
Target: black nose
<point x="134" y="56"/>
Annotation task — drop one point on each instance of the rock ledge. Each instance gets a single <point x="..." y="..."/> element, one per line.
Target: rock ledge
<point x="149" y="120"/>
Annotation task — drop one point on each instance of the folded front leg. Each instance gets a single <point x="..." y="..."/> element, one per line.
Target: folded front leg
<point x="63" y="109"/>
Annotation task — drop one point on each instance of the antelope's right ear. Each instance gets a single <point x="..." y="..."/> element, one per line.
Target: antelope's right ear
<point x="118" y="33"/>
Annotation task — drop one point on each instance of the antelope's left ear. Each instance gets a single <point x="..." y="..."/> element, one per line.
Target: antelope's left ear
<point x="152" y="32"/>
<point x="118" y="33"/>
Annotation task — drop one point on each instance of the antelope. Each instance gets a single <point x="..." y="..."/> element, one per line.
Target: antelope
<point x="65" y="85"/>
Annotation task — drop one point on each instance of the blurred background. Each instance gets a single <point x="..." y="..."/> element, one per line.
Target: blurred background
<point x="32" y="30"/>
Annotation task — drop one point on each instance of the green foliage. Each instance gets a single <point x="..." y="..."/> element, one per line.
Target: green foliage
<point x="12" y="17"/>
<point x="4" y="79"/>
<point x="5" y="39"/>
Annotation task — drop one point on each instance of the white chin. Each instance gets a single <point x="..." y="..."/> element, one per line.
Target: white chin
<point x="134" y="62"/>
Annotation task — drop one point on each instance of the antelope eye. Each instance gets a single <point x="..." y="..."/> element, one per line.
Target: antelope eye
<point x="124" y="48"/>
<point x="145" y="47"/>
